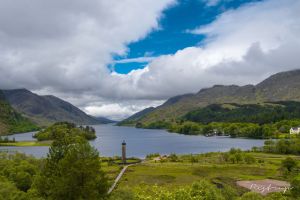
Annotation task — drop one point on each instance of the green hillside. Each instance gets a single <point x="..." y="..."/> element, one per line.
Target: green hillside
<point x="11" y="121"/>
<point x="250" y="113"/>
<point x="284" y="86"/>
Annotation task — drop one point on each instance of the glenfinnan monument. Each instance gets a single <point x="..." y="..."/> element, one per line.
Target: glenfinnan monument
<point x="124" y="152"/>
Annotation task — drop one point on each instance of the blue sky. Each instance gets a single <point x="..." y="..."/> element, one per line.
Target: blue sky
<point x="172" y="34"/>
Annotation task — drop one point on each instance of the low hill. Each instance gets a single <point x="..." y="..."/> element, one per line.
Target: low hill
<point x="284" y="86"/>
<point x="45" y="110"/>
<point x="104" y="120"/>
<point x="11" y="121"/>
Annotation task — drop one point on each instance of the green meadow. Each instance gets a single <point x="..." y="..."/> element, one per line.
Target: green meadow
<point x="170" y="175"/>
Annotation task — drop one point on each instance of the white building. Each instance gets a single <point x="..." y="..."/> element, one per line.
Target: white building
<point x="295" y="130"/>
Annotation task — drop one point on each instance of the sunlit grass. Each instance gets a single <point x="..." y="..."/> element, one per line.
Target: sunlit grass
<point x="174" y="174"/>
<point x="27" y="143"/>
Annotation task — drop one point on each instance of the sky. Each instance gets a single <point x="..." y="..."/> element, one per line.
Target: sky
<point x="114" y="58"/>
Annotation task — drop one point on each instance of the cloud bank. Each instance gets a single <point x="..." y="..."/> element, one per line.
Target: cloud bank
<point x="64" y="47"/>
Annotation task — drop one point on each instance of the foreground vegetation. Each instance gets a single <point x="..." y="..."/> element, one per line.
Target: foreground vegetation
<point x="207" y="176"/>
<point x="175" y="177"/>
<point x="72" y="170"/>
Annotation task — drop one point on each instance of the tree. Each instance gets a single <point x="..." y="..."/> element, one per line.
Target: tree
<point x="173" y="157"/>
<point x="296" y="187"/>
<point x="193" y="159"/>
<point x="72" y="171"/>
<point x="289" y="164"/>
<point x="9" y="191"/>
<point x="205" y="190"/>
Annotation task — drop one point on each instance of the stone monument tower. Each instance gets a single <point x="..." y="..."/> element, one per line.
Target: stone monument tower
<point x="124" y="152"/>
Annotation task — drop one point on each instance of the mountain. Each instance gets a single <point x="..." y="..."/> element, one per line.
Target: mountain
<point x="44" y="110"/>
<point x="137" y="116"/>
<point x="284" y="86"/>
<point x="11" y="121"/>
<point x="104" y="120"/>
<point x="281" y="86"/>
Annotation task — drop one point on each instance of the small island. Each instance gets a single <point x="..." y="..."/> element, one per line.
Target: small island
<point x="57" y="130"/>
<point x="65" y="128"/>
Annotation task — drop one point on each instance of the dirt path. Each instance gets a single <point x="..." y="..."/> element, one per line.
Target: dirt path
<point x="117" y="179"/>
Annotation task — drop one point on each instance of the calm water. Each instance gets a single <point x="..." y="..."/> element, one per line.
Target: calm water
<point x="141" y="142"/>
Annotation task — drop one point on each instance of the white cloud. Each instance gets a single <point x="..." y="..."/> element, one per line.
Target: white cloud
<point x="63" y="48"/>
<point x="113" y="111"/>
<point x="242" y="46"/>
<point x="211" y="2"/>
<point x="136" y="60"/>
<point x="56" y="43"/>
<point x="119" y="110"/>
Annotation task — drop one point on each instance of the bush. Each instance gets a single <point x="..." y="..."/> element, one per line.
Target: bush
<point x="173" y="157"/>
<point x="251" y="196"/>
<point x="200" y="190"/>
<point x="295" y="184"/>
<point x="289" y="164"/>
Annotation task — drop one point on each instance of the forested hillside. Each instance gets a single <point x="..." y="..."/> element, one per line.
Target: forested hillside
<point x="12" y="121"/>
<point x="251" y="113"/>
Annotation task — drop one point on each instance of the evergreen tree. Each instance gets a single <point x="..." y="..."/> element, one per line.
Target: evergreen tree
<point x="72" y="171"/>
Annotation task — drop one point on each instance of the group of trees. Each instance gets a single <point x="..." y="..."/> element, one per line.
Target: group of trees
<point x="6" y="140"/>
<point x="241" y="129"/>
<point x="250" y="113"/>
<point x="282" y="146"/>
<point x="72" y="170"/>
<point x="237" y="156"/>
<point x="65" y="128"/>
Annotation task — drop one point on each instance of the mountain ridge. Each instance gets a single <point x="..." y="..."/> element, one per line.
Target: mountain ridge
<point x="283" y="86"/>
<point x="47" y="109"/>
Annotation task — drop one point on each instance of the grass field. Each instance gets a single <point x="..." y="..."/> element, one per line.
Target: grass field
<point x="27" y="143"/>
<point x="174" y="174"/>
